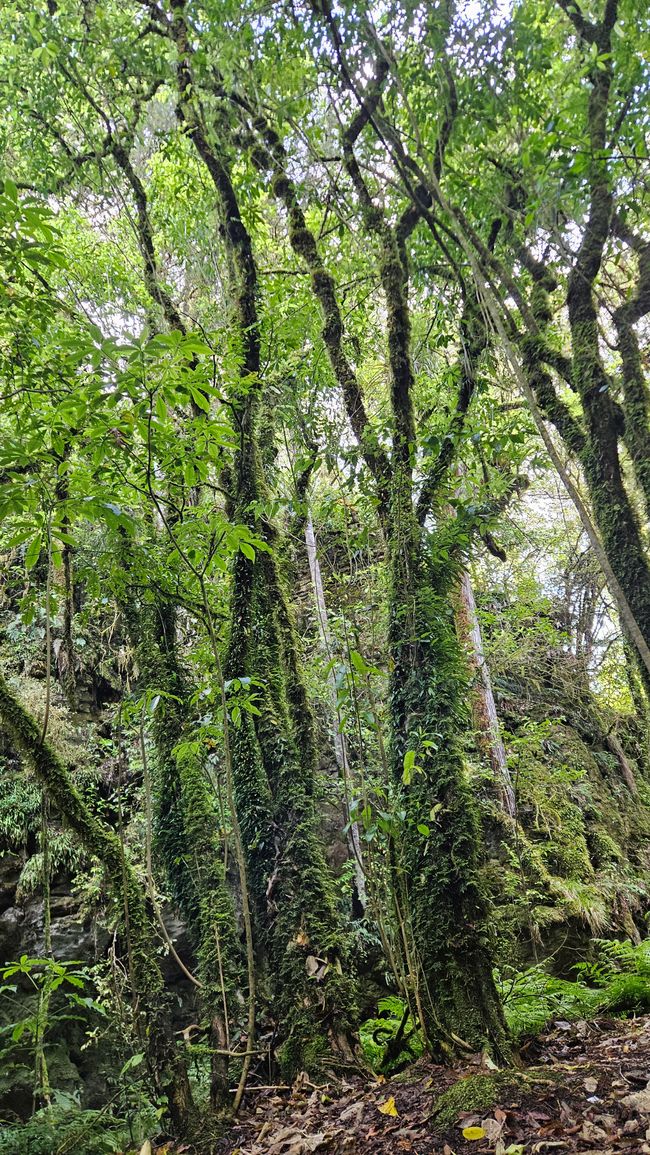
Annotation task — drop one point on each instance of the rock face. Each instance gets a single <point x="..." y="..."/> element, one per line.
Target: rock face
<point x="73" y="940"/>
<point x="75" y="1070"/>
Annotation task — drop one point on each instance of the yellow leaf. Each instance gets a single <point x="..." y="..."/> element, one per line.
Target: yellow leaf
<point x="473" y="1133"/>
<point x="388" y="1108"/>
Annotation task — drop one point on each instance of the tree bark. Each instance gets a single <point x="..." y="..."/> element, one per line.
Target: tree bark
<point x="486" y="719"/>
<point x="340" y="741"/>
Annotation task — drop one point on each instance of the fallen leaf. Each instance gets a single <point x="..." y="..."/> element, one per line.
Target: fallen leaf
<point x="492" y="1129"/>
<point x="591" y="1085"/>
<point x="473" y="1133"/>
<point x="313" y="1142"/>
<point x="638" y="1101"/>
<point x="352" y="1114"/>
<point x="590" y="1132"/>
<point x="388" y="1108"/>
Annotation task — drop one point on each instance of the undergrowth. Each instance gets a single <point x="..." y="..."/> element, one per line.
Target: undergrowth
<point x="615" y="981"/>
<point x="390" y="1040"/>
<point x="67" y="1131"/>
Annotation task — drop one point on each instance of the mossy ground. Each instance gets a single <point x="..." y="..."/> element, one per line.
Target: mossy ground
<point x="482" y="1093"/>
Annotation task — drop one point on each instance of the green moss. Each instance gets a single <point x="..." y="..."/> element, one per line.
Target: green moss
<point x="475" y="1093"/>
<point x="602" y="847"/>
<point x="437" y="874"/>
<point x="302" y="1052"/>
<point x="484" y="1092"/>
<point x="166" y="1065"/>
<point x="186" y="827"/>
<point x="310" y="980"/>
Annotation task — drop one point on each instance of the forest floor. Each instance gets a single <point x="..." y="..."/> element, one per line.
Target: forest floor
<point x="584" y="1088"/>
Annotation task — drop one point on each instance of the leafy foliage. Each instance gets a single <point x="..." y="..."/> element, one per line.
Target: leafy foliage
<point x="390" y="1040"/>
<point x="616" y="981"/>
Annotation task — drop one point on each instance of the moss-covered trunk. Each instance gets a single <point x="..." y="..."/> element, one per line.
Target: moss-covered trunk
<point x="273" y="754"/>
<point x="186" y="831"/>
<point x="613" y="507"/>
<point x="436" y="864"/>
<point x="299" y="936"/>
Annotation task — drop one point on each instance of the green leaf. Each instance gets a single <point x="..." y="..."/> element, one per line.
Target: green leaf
<point x="33" y="552"/>
<point x="200" y="399"/>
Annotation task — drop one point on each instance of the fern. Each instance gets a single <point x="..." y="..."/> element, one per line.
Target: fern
<point x="533" y="997"/>
<point x="70" y="1132"/>
<point x="615" y="981"/>
<point x="390" y="1041"/>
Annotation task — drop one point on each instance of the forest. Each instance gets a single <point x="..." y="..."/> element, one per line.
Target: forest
<point x="324" y="577"/>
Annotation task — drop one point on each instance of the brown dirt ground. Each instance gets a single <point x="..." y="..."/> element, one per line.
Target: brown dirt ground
<point x="584" y="1090"/>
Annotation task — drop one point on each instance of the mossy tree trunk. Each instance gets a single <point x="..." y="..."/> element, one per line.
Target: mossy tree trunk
<point x="444" y="916"/>
<point x="437" y="856"/>
<point x="166" y="1064"/>
<point x="604" y="423"/>
<point x="299" y="936"/>
<point x="274" y="761"/>
<point x="186" y="831"/>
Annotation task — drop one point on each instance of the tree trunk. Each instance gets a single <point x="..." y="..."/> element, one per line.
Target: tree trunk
<point x="486" y="720"/>
<point x="311" y="983"/>
<point x="437" y="863"/>
<point x="340" y="742"/>
<point x="186" y="829"/>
